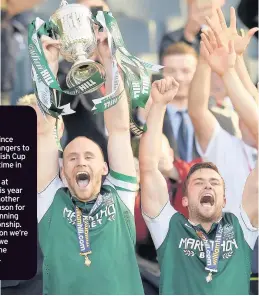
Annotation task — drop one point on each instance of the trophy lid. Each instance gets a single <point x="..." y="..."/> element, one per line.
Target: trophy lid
<point x="64" y="6"/>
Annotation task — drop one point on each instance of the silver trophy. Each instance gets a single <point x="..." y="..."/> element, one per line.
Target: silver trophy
<point x="74" y="27"/>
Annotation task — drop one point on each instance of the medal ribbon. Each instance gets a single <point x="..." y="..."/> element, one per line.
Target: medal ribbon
<point x="137" y="85"/>
<point x="212" y="254"/>
<point x="82" y="228"/>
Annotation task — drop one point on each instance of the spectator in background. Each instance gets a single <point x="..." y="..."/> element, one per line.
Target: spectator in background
<point x="197" y="11"/>
<point x="15" y="69"/>
<point x="180" y="61"/>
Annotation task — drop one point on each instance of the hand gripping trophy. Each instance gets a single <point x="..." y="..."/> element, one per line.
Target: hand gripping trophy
<point x="75" y="27"/>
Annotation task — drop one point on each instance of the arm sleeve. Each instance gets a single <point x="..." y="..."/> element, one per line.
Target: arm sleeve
<point x="250" y="232"/>
<point x="126" y="187"/>
<point x="215" y="144"/>
<point x="159" y="225"/>
<point x="46" y="197"/>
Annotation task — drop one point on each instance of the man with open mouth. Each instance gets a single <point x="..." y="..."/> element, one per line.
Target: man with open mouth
<point x="86" y="229"/>
<point x="211" y="252"/>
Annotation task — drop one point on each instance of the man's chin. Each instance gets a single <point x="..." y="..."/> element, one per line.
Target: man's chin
<point x="82" y="193"/>
<point x="83" y="198"/>
<point x="207" y="214"/>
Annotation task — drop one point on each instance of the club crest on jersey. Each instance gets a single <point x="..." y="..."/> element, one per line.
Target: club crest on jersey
<point x="228" y="232"/>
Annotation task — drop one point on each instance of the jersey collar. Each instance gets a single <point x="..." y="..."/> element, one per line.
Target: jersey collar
<point x="213" y="226"/>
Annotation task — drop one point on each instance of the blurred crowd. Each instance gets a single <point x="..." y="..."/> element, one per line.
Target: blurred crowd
<point x="230" y="141"/>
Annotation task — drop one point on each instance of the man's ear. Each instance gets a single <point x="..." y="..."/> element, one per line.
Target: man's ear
<point x="185" y="201"/>
<point x="62" y="173"/>
<point x="225" y="201"/>
<point x="105" y="169"/>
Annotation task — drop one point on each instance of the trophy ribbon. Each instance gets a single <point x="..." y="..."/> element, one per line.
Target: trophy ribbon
<point x="43" y="75"/>
<point x="136" y="74"/>
<point x="137" y="81"/>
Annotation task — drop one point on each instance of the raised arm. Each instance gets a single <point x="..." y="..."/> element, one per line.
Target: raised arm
<point x="242" y="101"/>
<point x="250" y="197"/>
<point x="218" y="56"/>
<point x="240" y="42"/>
<point x="196" y="18"/>
<point x="154" y="193"/>
<point x="203" y="120"/>
<point x="117" y="121"/>
<point x="245" y="78"/>
<point x="47" y="151"/>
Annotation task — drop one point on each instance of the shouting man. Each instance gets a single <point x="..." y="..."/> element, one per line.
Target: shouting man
<point x="212" y="250"/>
<point x="86" y="229"/>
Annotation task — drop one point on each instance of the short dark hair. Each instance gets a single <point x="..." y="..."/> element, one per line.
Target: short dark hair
<point x="179" y="48"/>
<point x="196" y="167"/>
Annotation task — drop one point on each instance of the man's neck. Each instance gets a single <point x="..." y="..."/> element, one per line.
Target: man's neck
<point x="205" y="225"/>
<point x="180" y="103"/>
<point x="84" y="201"/>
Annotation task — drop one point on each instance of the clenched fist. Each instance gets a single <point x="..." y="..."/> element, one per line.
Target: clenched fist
<point x="164" y="90"/>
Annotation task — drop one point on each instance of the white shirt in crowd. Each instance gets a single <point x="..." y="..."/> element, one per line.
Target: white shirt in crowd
<point x="234" y="160"/>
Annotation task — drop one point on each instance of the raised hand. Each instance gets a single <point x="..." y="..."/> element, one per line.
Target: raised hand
<point x="210" y="38"/>
<point x="163" y="91"/>
<point x="230" y="33"/>
<point x="51" y="50"/>
<point x="196" y="17"/>
<point x="221" y="58"/>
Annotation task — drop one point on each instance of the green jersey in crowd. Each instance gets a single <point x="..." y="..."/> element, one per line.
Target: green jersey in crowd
<point x="113" y="269"/>
<point x="182" y="251"/>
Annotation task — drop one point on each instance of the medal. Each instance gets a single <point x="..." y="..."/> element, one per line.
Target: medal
<point x="87" y="260"/>
<point x="209" y="277"/>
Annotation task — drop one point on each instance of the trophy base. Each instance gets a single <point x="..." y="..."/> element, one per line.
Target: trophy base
<point x="81" y="71"/>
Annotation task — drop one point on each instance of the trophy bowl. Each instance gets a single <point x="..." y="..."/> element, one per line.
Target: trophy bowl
<point x="73" y="26"/>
